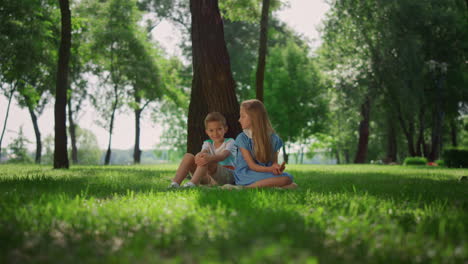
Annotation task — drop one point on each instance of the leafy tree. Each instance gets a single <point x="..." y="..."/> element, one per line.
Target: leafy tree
<point x="295" y="97"/>
<point x="18" y="149"/>
<point x="28" y="54"/>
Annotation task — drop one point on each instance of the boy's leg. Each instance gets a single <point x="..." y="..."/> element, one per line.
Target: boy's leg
<point x="271" y="182"/>
<point x="186" y="165"/>
<point x="202" y="174"/>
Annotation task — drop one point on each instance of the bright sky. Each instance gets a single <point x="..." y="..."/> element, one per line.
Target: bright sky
<point x="302" y="15"/>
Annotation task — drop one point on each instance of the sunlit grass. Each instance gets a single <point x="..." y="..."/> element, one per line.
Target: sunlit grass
<point x="340" y="214"/>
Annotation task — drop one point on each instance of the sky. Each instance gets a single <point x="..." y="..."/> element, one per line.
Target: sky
<point x="304" y="16"/>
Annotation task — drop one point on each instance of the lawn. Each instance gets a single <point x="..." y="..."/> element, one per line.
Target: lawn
<point x="339" y="214"/>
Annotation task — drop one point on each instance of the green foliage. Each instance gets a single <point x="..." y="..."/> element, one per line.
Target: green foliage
<point x="339" y="214"/>
<point x="88" y="148"/>
<point x="456" y="157"/>
<point x="415" y="161"/>
<point x="295" y="93"/>
<point x="87" y="145"/>
<point x="18" y="149"/>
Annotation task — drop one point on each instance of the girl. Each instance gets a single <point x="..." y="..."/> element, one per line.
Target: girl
<point x="258" y="146"/>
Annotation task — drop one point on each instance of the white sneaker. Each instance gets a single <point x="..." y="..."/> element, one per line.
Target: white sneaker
<point x="173" y="185"/>
<point x="189" y="185"/>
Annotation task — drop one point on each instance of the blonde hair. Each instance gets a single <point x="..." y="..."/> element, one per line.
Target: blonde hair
<point x="261" y="130"/>
<point x="215" y="116"/>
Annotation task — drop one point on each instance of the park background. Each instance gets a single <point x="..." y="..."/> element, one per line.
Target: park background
<point x="418" y="105"/>
<point x="385" y="82"/>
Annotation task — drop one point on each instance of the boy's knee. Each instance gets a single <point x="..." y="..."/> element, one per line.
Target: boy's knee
<point x="189" y="156"/>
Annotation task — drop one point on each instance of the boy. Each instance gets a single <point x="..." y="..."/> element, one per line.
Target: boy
<point x="214" y="164"/>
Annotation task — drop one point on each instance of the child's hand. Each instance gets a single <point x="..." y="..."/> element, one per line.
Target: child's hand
<point x="276" y="169"/>
<point x="202" y="159"/>
<point x="283" y="166"/>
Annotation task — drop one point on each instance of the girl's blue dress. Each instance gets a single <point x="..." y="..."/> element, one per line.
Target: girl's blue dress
<point x="243" y="174"/>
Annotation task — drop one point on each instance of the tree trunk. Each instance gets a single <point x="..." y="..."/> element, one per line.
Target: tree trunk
<point x="391" y="142"/>
<point x="37" y="134"/>
<point x="347" y="156"/>
<point x="453" y="133"/>
<point x="136" y="150"/>
<point x="408" y="134"/>
<point x="6" y="118"/>
<point x="111" y="127"/>
<point x="337" y="156"/>
<point x="212" y="83"/>
<point x="72" y="131"/>
<point x="438" y="120"/>
<point x="262" y="49"/>
<point x="363" y="132"/>
<point x="420" y="143"/>
<point x="285" y="154"/>
<point x="60" y="152"/>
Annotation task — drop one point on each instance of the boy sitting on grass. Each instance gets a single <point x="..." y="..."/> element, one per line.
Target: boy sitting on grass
<point x="214" y="164"/>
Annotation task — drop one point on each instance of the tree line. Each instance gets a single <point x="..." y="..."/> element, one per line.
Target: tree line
<point x="388" y="81"/>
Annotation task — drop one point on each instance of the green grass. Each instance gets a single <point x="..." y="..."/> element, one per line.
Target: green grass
<point x="339" y="214"/>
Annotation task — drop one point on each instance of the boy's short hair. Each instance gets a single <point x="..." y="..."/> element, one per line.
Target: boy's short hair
<point x="215" y="116"/>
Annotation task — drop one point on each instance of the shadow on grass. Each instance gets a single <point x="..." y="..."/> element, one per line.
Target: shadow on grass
<point x="399" y="187"/>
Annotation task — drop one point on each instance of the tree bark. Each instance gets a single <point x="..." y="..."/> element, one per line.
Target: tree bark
<point x="420" y="144"/>
<point x="72" y="131"/>
<point x="111" y="127"/>
<point x="337" y="156"/>
<point x="213" y="88"/>
<point x="262" y="49"/>
<point x="37" y="133"/>
<point x="408" y="133"/>
<point x="363" y="132"/>
<point x="6" y="118"/>
<point x="438" y="119"/>
<point x="136" y="150"/>
<point x="347" y="156"/>
<point x="285" y="154"/>
<point x="60" y="151"/>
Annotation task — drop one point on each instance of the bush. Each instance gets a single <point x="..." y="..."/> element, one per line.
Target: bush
<point x="440" y="163"/>
<point x="456" y="157"/>
<point x="415" y="161"/>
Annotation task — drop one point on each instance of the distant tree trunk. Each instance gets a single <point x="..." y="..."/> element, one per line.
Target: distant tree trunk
<point x="72" y="131"/>
<point x="136" y="150"/>
<point x="111" y="127"/>
<point x="363" y="132"/>
<point x="347" y="156"/>
<point x="37" y="133"/>
<point x="453" y="133"/>
<point x="409" y="132"/>
<point x="285" y="154"/>
<point x="212" y="83"/>
<point x="337" y="156"/>
<point x="438" y="120"/>
<point x="262" y="49"/>
<point x="60" y="152"/>
<point x="6" y="117"/>
<point x="391" y="142"/>
<point x="420" y="145"/>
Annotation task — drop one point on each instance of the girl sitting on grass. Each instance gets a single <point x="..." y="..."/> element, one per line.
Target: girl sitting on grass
<point x="258" y="146"/>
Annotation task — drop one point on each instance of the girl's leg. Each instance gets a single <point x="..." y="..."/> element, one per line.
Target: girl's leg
<point x="201" y="175"/>
<point x="271" y="182"/>
<point x="186" y="165"/>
